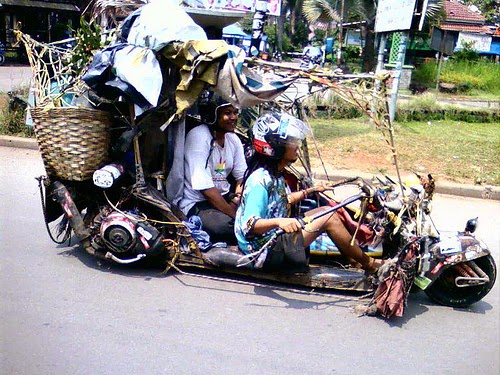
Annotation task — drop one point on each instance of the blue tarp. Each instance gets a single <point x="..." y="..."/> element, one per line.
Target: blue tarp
<point x="495" y="46"/>
<point x="234" y="30"/>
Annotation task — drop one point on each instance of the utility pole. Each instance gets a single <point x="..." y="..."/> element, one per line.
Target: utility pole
<point x="339" y="51"/>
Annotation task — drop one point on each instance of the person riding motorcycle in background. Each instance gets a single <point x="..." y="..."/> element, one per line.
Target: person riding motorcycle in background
<point x="266" y="200"/>
<point x="311" y="55"/>
<point x="213" y="153"/>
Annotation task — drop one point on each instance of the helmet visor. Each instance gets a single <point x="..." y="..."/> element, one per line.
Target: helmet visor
<point x="280" y="126"/>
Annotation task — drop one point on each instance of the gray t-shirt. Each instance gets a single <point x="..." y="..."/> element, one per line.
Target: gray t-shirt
<point x="207" y="165"/>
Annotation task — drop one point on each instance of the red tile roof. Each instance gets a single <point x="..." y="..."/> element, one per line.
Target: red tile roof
<point x="465" y="28"/>
<point x="456" y="11"/>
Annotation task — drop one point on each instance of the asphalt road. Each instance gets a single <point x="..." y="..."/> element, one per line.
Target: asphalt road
<point x="66" y="313"/>
<point x="14" y="77"/>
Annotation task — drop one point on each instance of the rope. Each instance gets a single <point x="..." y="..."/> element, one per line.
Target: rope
<point x="50" y="64"/>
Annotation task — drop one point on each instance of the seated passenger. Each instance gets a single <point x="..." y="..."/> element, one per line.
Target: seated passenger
<point x="213" y="152"/>
<point x="266" y="200"/>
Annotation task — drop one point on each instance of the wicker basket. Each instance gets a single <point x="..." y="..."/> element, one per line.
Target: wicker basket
<point x="73" y="141"/>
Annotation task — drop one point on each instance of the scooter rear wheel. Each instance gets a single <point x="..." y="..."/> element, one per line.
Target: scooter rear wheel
<point x="445" y="292"/>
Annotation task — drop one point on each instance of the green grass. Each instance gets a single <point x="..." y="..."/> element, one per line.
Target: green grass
<point x="450" y="150"/>
<point x="481" y="75"/>
<point x="13" y="123"/>
<point x="471" y="77"/>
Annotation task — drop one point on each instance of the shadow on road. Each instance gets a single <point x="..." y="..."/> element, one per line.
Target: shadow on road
<point x="418" y="303"/>
<point x="137" y="270"/>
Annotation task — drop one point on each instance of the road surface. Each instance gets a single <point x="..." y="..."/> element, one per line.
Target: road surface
<point x="14" y="77"/>
<point x="64" y="312"/>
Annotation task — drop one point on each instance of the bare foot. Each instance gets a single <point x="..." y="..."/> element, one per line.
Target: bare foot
<point x="374" y="265"/>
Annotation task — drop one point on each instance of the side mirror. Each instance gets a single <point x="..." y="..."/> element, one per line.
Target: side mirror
<point x="471" y="225"/>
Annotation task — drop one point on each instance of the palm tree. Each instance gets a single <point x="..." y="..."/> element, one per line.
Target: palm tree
<point x="320" y="13"/>
<point x="364" y="11"/>
<point x="294" y="7"/>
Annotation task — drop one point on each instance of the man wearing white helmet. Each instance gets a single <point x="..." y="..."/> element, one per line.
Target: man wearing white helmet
<point x="266" y="200"/>
<point x="213" y="152"/>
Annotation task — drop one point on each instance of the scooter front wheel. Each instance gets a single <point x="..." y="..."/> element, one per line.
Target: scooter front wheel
<point x="445" y="290"/>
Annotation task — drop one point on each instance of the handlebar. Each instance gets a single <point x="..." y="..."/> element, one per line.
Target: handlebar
<point x="249" y="258"/>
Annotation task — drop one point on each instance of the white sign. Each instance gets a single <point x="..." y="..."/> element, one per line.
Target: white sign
<point x="353" y="38"/>
<point x="273" y="6"/>
<point x="394" y="15"/>
<point x="481" y="43"/>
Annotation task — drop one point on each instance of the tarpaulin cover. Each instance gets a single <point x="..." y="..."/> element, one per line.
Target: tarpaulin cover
<point x="162" y="22"/>
<point x="198" y="63"/>
<point x="131" y="66"/>
<point x="132" y="70"/>
<point x="243" y="87"/>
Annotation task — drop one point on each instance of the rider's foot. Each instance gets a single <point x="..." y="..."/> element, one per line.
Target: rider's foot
<point x="373" y="265"/>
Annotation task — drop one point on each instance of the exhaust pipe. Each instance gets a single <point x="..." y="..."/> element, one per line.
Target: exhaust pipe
<point x="470" y="275"/>
<point x="63" y="197"/>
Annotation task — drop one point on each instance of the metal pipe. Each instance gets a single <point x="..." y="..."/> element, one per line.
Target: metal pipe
<point x="380" y="56"/>
<point x="124" y="261"/>
<point x="464" y="282"/>
<point x="469" y="277"/>
<point x="477" y="269"/>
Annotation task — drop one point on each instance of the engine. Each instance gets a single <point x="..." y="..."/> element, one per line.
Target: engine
<point x="124" y="232"/>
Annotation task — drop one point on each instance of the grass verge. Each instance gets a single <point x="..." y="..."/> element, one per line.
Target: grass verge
<point x="450" y="150"/>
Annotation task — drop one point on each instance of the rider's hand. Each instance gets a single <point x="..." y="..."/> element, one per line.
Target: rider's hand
<point x="320" y="188"/>
<point x="289" y="225"/>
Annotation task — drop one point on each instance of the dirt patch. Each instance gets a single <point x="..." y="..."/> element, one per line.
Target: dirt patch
<point x="4" y="101"/>
<point x="376" y="158"/>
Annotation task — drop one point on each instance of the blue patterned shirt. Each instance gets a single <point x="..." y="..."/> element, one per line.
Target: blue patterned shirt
<point x="264" y="196"/>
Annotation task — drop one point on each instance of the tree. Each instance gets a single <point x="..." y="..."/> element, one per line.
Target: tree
<point x="488" y="8"/>
<point x="365" y="11"/>
<point x="320" y="12"/>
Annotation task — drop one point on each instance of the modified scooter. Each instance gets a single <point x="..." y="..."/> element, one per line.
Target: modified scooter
<point x="120" y="216"/>
<point x="113" y="148"/>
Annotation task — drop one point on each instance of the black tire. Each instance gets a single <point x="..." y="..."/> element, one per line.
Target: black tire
<point x="445" y="292"/>
<point x="2" y="59"/>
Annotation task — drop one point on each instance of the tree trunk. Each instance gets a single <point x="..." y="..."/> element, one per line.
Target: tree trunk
<point x="281" y="27"/>
<point x="292" y="23"/>
<point x="369" y="50"/>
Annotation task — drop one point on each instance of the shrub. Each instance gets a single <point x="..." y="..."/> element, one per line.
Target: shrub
<point x="12" y="116"/>
<point x="481" y="75"/>
<point x="466" y="53"/>
<point x="425" y="75"/>
<point x="329" y="105"/>
<point x="13" y="123"/>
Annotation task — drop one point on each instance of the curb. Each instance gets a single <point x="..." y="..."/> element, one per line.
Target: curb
<point x="444" y="187"/>
<point x="20" y="142"/>
<point x="450" y="188"/>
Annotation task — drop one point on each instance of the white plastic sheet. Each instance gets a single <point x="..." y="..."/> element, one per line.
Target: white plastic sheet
<point x="162" y="22"/>
<point x="139" y="67"/>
